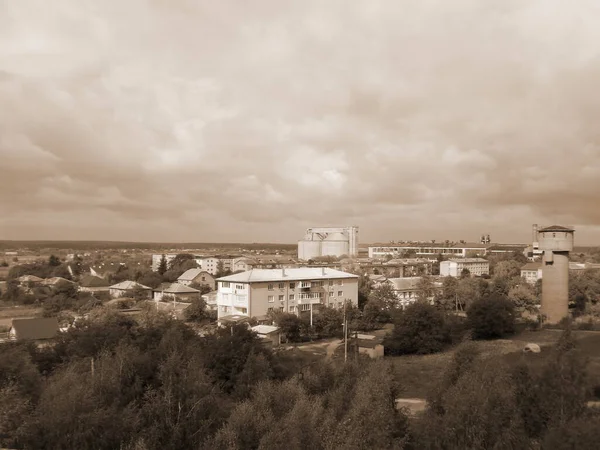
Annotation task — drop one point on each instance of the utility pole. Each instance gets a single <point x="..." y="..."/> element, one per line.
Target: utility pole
<point x="345" y="333"/>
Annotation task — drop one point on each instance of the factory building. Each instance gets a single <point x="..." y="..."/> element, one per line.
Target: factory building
<point x="556" y="242"/>
<point x="328" y="241"/>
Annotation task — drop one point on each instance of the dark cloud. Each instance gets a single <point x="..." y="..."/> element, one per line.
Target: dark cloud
<point x="208" y="121"/>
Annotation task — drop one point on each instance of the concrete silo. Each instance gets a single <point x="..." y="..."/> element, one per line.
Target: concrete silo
<point x="556" y="242"/>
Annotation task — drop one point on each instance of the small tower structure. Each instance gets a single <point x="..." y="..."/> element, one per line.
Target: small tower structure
<point x="556" y="242"/>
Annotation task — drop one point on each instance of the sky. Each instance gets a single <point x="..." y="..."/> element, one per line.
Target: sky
<point x="232" y="121"/>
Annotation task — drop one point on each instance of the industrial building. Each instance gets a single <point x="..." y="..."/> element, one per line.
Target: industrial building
<point x="328" y="241"/>
<point x="460" y="250"/>
<point x="556" y="242"/>
<point x="455" y="267"/>
<point x="256" y="292"/>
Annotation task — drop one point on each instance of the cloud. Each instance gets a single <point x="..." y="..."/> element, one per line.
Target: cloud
<point x="207" y="121"/>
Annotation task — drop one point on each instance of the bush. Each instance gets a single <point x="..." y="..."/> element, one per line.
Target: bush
<point x="196" y="312"/>
<point x="419" y="329"/>
<point x="491" y="317"/>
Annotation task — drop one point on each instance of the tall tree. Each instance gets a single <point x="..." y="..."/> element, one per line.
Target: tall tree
<point x="162" y="265"/>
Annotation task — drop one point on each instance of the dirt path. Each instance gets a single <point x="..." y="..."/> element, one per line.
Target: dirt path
<point x="331" y="347"/>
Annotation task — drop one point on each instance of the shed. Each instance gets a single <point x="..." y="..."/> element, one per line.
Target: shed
<point x="36" y="328"/>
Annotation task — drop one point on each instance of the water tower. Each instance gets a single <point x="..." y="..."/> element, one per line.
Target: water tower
<point x="556" y="242"/>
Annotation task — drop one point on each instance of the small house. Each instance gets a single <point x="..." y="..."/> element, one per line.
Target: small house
<point x="176" y="292"/>
<point x="93" y="284"/>
<point x="199" y="277"/>
<point x="131" y="289"/>
<point x="34" y="329"/>
<point x="269" y="333"/>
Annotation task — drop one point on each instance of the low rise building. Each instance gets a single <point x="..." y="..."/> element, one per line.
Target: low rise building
<point x="532" y="272"/>
<point x="131" y="289"/>
<point x="256" y="292"/>
<point x="199" y="277"/>
<point x="431" y="251"/>
<point x="455" y="267"/>
<point x="176" y="292"/>
<point x="269" y="334"/>
<point x="408" y="289"/>
<point x="93" y="284"/>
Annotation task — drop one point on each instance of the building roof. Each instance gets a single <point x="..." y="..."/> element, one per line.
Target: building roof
<point x="55" y="280"/>
<point x="177" y="288"/>
<point x="468" y="260"/>
<point x="191" y="274"/>
<point x="30" y="279"/>
<point x="556" y="228"/>
<point x="35" y="328"/>
<point x="265" y="329"/>
<point x="532" y="266"/>
<point x="128" y="284"/>
<point x="291" y="274"/>
<point x="403" y="284"/>
<point x="92" y="281"/>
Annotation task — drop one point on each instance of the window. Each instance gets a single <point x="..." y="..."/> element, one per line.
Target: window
<point x="330" y="282"/>
<point x="225" y="284"/>
<point x="316" y="284"/>
<point x="340" y="293"/>
<point x="269" y="309"/>
<point x="239" y="286"/>
<point x="203" y="278"/>
<point x="292" y="296"/>
<point x="292" y="309"/>
<point x="331" y="293"/>
<point x="281" y="308"/>
<point x="281" y="285"/>
<point x="340" y="282"/>
<point x="292" y="285"/>
<point x="270" y="287"/>
<point x="271" y="298"/>
<point x="305" y="307"/>
<point x="281" y="298"/>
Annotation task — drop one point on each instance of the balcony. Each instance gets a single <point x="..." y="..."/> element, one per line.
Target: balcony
<point x="310" y="299"/>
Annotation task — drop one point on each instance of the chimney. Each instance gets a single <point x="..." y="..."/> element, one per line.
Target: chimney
<point x="283" y="271"/>
<point x="322" y="270"/>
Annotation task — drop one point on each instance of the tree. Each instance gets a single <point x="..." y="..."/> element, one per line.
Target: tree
<point x="328" y="323"/>
<point x="425" y="289"/>
<point x="491" y="317"/>
<point x="418" y="329"/>
<point x="508" y="269"/>
<point x="149" y="278"/>
<point x="203" y="288"/>
<point x="384" y="296"/>
<point x="162" y="265"/>
<point x="365" y="286"/>
<point x="196" y="311"/>
<point x="465" y="273"/>
<point x="523" y="297"/>
<point x="290" y="325"/>
<point x="53" y="261"/>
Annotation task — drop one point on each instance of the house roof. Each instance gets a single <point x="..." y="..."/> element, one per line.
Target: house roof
<point x="35" y="328"/>
<point x="177" y="288"/>
<point x="30" y="278"/>
<point x="532" y="266"/>
<point x="128" y="284"/>
<point x="291" y="274"/>
<point x="265" y="329"/>
<point x="190" y="274"/>
<point x="92" y="281"/>
<point x="55" y="280"/>
<point x="403" y="284"/>
<point x="556" y="228"/>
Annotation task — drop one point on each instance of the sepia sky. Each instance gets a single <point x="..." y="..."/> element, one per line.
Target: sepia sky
<point x="229" y="121"/>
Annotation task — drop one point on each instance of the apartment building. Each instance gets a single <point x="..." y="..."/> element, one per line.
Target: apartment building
<point x="256" y="292"/>
<point x="210" y="264"/>
<point x="532" y="272"/>
<point x="455" y="267"/>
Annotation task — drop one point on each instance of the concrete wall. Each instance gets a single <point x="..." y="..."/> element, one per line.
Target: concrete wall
<point x="555" y="286"/>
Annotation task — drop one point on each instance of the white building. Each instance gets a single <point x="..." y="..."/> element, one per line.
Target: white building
<point x="454" y="267"/>
<point x="256" y="292"/>
<point x="407" y="289"/>
<point x="532" y="272"/>
<point x="429" y="250"/>
<point x="210" y="264"/>
<point x="328" y="241"/>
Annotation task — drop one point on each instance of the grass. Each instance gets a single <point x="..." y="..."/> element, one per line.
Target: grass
<point x="416" y="375"/>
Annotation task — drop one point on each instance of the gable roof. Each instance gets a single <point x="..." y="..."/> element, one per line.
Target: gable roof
<point x="177" y="288"/>
<point x="265" y="329"/>
<point x="402" y="284"/>
<point x="192" y="274"/>
<point x="92" y="281"/>
<point x="292" y="274"/>
<point x="30" y="279"/>
<point x="35" y="328"/>
<point x="128" y="284"/>
<point x="55" y="280"/>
